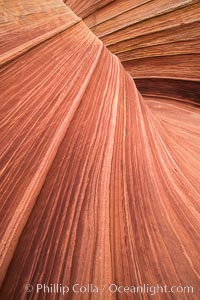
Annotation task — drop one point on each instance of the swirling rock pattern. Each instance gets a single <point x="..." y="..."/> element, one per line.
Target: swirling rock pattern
<point x="97" y="185"/>
<point x="156" y="40"/>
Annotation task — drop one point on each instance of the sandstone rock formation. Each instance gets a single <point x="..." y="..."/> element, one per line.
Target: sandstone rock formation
<point x="156" y="41"/>
<point x="99" y="185"/>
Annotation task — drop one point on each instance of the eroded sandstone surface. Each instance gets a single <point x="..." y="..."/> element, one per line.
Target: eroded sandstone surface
<point x="99" y="184"/>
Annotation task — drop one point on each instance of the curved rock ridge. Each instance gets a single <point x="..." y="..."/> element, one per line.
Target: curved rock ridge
<point x="96" y="185"/>
<point x="86" y="8"/>
<point x="157" y="40"/>
<point x="24" y="25"/>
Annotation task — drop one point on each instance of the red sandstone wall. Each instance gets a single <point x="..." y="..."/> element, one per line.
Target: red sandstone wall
<point x="156" y="40"/>
<point x="96" y="185"/>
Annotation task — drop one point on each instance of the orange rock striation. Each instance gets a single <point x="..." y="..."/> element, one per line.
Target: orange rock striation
<point x="156" y="41"/>
<point x="96" y="185"/>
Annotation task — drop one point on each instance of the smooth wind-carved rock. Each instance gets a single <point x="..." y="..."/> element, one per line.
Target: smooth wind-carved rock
<point x="156" y="41"/>
<point x="98" y="185"/>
